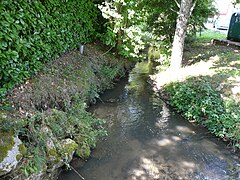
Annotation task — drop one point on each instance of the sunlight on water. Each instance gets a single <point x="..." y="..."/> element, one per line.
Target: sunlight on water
<point x="147" y="140"/>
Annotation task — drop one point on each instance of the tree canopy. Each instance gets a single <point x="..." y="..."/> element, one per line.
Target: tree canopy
<point x="133" y="24"/>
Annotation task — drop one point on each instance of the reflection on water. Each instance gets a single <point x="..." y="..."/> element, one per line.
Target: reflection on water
<point x="147" y="140"/>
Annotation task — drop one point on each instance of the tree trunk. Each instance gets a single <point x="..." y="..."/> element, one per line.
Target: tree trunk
<point x="119" y="7"/>
<point x="180" y="33"/>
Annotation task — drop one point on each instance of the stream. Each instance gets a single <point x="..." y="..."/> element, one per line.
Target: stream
<point x="147" y="140"/>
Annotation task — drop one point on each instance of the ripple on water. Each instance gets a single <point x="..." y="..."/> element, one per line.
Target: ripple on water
<point x="147" y="140"/>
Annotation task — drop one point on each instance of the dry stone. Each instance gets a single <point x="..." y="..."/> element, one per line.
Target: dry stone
<point x="11" y="152"/>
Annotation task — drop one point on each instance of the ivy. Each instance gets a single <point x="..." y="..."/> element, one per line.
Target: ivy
<point x="197" y="100"/>
<point x="34" y="32"/>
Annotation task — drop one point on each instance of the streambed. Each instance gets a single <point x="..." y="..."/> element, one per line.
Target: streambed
<point x="148" y="140"/>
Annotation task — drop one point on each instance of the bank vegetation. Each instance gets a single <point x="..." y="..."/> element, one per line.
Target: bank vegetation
<point x="206" y="91"/>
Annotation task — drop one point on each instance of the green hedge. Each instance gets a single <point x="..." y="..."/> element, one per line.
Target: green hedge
<point x="33" y="32"/>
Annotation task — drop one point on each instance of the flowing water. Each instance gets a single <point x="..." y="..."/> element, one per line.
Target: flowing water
<point x="148" y="140"/>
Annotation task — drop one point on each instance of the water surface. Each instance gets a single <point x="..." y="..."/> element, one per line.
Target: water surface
<point x="148" y="140"/>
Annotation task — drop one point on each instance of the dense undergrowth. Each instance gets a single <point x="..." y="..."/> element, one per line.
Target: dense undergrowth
<point x="52" y="106"/>
<point x="206" y="90"/>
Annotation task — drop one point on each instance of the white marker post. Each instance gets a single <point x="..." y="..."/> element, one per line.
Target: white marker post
<point x="81" y="48"/>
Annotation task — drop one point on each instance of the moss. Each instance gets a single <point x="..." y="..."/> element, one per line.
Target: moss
<point x="22" y="149"/>
<point x="52" y="152"/>
<point x="53" y="157"/>
<point x="69" y="147"/>
<point x="6" y="144"/>
<point x="18" y="157"/>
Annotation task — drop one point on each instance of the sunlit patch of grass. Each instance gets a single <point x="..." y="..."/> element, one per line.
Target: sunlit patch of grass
<point x="204" y="59"/>
<point x="219" y="61"/>
<point x="208" y="35"/>
<point x="199" y="69"/>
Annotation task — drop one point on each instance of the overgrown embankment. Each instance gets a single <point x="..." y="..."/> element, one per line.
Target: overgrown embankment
<point x="43" y="120"/>
<point x="207" y="89"/>
<point x="48" y="112"/>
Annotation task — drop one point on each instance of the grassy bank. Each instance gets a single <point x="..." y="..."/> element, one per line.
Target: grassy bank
<point x="51" y="108"/>
<point x="207" y="89"/>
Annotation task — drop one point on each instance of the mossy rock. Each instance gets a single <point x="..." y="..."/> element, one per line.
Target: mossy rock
<point x="6" y="144"/>
<point x="51" y="144"/>
<point x="52" y="152"/>
<point x="69" y="147"/>
<point x="22" y="149"/>
<point x="11" y="152"/>
<point x="53" y="156"/>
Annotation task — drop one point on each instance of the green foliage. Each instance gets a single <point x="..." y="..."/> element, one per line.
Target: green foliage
<point x="37" y="131"/>
<point x="202" y="11"/>
<point x="36" y="161"/>
<point x="235" y="2"/>
<point x="163" y="14"/>
<point x="133" y="42"/>
<point x="136" y="24"/>
<point x="162" y="18"/>
<point x="76" y="123"/>
<point x="36" y="32"/>
<point x="197" y="100"/>
<point x="109" y="37"/>
<point x="126" y="27"/>
<point x="52" y="106"/>
<point x="160" y="53"/>
<point x="109" y="72"/>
